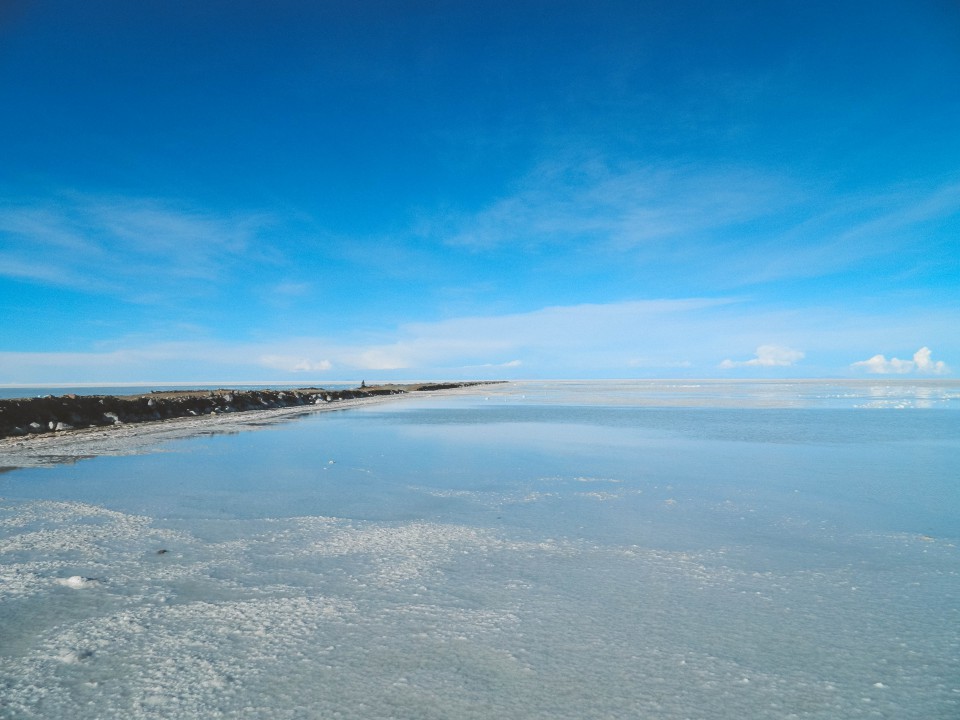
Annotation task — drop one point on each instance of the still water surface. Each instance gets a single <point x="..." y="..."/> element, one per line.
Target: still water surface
<point x="537" y="550"/>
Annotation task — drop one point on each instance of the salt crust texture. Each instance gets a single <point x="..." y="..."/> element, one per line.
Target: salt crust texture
<point x="318" y="617"/>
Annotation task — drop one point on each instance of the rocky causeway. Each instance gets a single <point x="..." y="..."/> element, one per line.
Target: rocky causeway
<point x="54" y="429"/>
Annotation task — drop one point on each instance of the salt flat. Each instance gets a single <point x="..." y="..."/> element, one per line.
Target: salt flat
<point x="531" y="551"/>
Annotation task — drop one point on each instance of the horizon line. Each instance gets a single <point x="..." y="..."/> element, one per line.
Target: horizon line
<point x="319" y="383"/>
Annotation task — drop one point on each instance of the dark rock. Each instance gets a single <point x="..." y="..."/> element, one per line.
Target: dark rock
<point x="22" y="416"/>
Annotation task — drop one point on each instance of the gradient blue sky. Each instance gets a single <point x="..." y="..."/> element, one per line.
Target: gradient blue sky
<point x="196" y="191"/>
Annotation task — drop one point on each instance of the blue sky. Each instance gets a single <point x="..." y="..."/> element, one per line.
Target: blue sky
<point x="321" y="190"/>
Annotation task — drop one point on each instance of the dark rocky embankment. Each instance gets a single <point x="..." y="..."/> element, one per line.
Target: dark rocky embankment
<point x="33" y="416"/>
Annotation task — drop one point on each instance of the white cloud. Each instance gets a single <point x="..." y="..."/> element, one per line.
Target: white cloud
<point x="644" y="362"/>
<point x="488" y="366"/>
<point x="650" y="338"/>
<point x="289" y="363"/>
<point x="924" y="365"/>
<point x="289" y="289"/>
<point x="587" y="335"/>
<point x="768" y="356"/>
<point x="394" y="357"/>
<point x="880" y="365"/>
<point x="921" y="364"/>
<point x="575" y="340"/>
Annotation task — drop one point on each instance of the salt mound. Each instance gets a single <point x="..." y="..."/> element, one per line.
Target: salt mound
<point x="78" y="582"/>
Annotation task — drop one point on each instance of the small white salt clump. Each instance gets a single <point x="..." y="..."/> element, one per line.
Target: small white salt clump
<point x="72" y="657"/>
<point x="78" y="582"/>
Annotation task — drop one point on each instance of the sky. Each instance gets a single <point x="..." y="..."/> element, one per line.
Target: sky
<point x="424" y="189"/>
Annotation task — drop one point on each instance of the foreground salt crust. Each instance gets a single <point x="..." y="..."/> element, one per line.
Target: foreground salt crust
<point x="327" y="617"/>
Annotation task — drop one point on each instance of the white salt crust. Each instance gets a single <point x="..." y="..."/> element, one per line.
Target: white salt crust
<point x="318" y="617"/>
<point x="78" y="582"/>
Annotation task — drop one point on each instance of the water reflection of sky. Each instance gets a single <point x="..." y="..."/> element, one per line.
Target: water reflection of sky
<point x="739" y="394"/>
<point x="443" y="457"/>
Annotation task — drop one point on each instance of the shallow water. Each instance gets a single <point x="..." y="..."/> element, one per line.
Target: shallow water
<point x="542" y="550"/>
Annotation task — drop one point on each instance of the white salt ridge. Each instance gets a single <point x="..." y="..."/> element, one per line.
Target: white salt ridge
<point x="602" y="496"/>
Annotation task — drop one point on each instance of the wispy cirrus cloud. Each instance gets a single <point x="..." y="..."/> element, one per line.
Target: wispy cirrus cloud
<point x="125" y="247"/>
<point x="725" y="226"/>
<point x="621" y="207"/>
<point x="853" y="229"/>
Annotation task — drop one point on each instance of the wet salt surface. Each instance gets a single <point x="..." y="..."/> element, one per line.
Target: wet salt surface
<point x="487" y="564"/>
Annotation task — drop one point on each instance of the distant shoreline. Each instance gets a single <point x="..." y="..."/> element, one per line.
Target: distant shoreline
<point x="32" y="433"/>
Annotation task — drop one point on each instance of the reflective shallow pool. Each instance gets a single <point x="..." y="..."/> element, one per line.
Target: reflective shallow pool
<point x="539" y="550"/>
